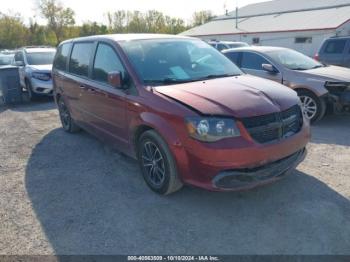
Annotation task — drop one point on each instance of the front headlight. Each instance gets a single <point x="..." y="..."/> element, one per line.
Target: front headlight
<point x="211" y="129"/>
<point x="41" y="76"/>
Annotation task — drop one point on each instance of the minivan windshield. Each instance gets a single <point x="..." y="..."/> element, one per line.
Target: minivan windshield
<point x="166" y="61"/>
<point x="294" y="60"/>
<point x="40" y="58"/>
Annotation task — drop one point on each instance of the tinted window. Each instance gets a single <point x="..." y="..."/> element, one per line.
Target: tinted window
<point x="106" y="61"/>
<point x="80" y="58"/>
<point x="61" y="57"/>
<point x="40" y="58"/>
<point x="253" y="61"/>
<point x="233" y="57"/>
<point x="335" y="47"/>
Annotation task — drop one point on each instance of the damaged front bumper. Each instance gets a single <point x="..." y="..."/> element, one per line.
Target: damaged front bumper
<point x="241" y="179"/>
<point x="339" y="96"/>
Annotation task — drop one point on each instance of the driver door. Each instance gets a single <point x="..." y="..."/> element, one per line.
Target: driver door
<point x="251" y="63"/>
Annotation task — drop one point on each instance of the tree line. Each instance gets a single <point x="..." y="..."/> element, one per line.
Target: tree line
<point x="61" y="25"/>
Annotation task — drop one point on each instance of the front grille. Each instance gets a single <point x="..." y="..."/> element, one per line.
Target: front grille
<point x="275" y="126"/>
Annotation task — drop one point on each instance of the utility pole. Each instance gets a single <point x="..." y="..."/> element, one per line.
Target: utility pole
<point x="236" y="14"/>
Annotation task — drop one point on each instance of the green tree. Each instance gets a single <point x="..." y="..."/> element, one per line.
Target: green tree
<point x="13" y="33"/>
<point x="58" y="17"/>
<point x="93" y="28"/>
<point x="40" y="35"/>
<point x="202" y="17"/>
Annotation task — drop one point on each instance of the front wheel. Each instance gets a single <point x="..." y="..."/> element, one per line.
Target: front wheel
<point x="314" y="107"/>
<point x="157" y="164"/>
<point x="31" y="94"/>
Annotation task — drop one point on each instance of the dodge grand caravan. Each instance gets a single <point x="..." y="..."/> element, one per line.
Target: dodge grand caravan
<point x="180" y="107"/>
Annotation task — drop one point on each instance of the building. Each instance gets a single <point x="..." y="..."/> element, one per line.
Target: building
<point x="298" y="24"/>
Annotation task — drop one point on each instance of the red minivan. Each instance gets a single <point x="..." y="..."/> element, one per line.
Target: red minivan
<point x="179" y="106"/>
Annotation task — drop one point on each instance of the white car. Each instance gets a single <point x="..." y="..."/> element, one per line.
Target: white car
<point x="35" y="65"/>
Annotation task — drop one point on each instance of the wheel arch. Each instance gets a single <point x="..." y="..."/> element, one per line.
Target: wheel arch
<point x="151" y="121"/>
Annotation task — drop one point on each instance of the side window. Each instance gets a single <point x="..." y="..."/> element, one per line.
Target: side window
<point x="253" y="61"/>
<point x="335" y="47"/>
<point x="61" y="57"/>
<point x="19" y="57"/>
<point x="80" y="58"/>
<point x="233" y="56"/>
<point x="221" y="47"/>
<point x="106" y="61"/>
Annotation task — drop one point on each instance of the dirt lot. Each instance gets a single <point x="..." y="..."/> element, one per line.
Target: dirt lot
<point x="69" y="194"/>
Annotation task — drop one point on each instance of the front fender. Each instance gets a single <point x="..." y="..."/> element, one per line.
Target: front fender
<point x="314" y="85"/>
<point x="154" y="121"/>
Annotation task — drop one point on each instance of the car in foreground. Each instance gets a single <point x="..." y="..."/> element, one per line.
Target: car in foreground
<point x="319" y="86"/>
<point x="223" y="45"/>
<point x="335" y="51"/>
<point x="35" y="65"/>
<point x="181" y="108"/>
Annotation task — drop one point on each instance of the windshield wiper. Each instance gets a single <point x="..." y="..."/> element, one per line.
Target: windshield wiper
<point x="318" y="66"/>
<point x="166" y="81"/>
<point x="299" y="69"/>
<point x="217" y="76"/>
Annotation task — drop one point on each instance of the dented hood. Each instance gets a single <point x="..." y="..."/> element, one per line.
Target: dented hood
<point x="241" y="96"/>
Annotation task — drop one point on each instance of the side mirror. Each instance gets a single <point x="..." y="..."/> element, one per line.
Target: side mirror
<point x="19" y="63"/>
<point x="269" y="68"/>
<point x="115" y="79"/>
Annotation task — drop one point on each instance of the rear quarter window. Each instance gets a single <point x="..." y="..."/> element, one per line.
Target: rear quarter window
<point x="61" y="57"/>
<point x="335" y="47"/>
<point x="80" y="59"/>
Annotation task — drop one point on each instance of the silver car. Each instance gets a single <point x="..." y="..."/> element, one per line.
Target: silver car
<point x="35" y="65"/>
<point x="318" y="86"/>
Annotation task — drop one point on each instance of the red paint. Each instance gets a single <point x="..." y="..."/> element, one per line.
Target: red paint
<point x="115" y="115"/>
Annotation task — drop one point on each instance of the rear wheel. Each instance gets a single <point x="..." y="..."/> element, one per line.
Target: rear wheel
<point x="157" y="164"/>
<point x="67" y="121"/>
<point x="314" y="107"/>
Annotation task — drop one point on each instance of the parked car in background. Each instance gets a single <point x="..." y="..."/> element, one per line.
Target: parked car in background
<point x="223" y="45"/>
<point x="335" y="51"/>
<point x="317" y="85"/>
<point x="6" y="58"/>
<point x="35" y="65"/>
<point x="179" y="106"/>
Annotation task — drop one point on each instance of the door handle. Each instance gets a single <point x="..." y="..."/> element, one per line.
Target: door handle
<point x="82" y="87"/>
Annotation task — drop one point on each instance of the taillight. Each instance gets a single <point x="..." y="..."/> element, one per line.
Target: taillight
<point x="317" y="57"/>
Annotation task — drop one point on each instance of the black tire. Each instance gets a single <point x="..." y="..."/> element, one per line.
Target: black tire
<point x="31" y="95"/>
<point x="67" y="121"/>
<point x="165" y="179"/>
<point x="314" y="101"/>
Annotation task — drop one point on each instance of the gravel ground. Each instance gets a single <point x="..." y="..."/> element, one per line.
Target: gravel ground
<point x="70" y="194"/>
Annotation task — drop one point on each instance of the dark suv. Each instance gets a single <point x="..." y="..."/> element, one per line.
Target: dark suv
<point x="335" y="51"/>
<point x="180" y="107"/>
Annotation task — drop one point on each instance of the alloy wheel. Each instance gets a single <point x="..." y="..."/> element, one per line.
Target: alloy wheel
<point x="309" y="106"/>
<point x="153" y="164"/>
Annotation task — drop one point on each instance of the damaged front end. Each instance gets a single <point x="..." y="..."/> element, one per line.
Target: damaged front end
<point x="339" y="96"/>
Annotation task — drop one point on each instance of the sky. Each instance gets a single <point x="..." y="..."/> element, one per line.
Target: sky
<point x="92" y="10"/>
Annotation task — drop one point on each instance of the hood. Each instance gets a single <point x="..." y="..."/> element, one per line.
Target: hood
<point x="241" y="96"/>
<point x="47" y="68"/>
<point x="333" y="73"/>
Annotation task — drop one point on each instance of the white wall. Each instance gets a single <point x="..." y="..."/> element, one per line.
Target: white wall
<point x="287" y="39"/>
